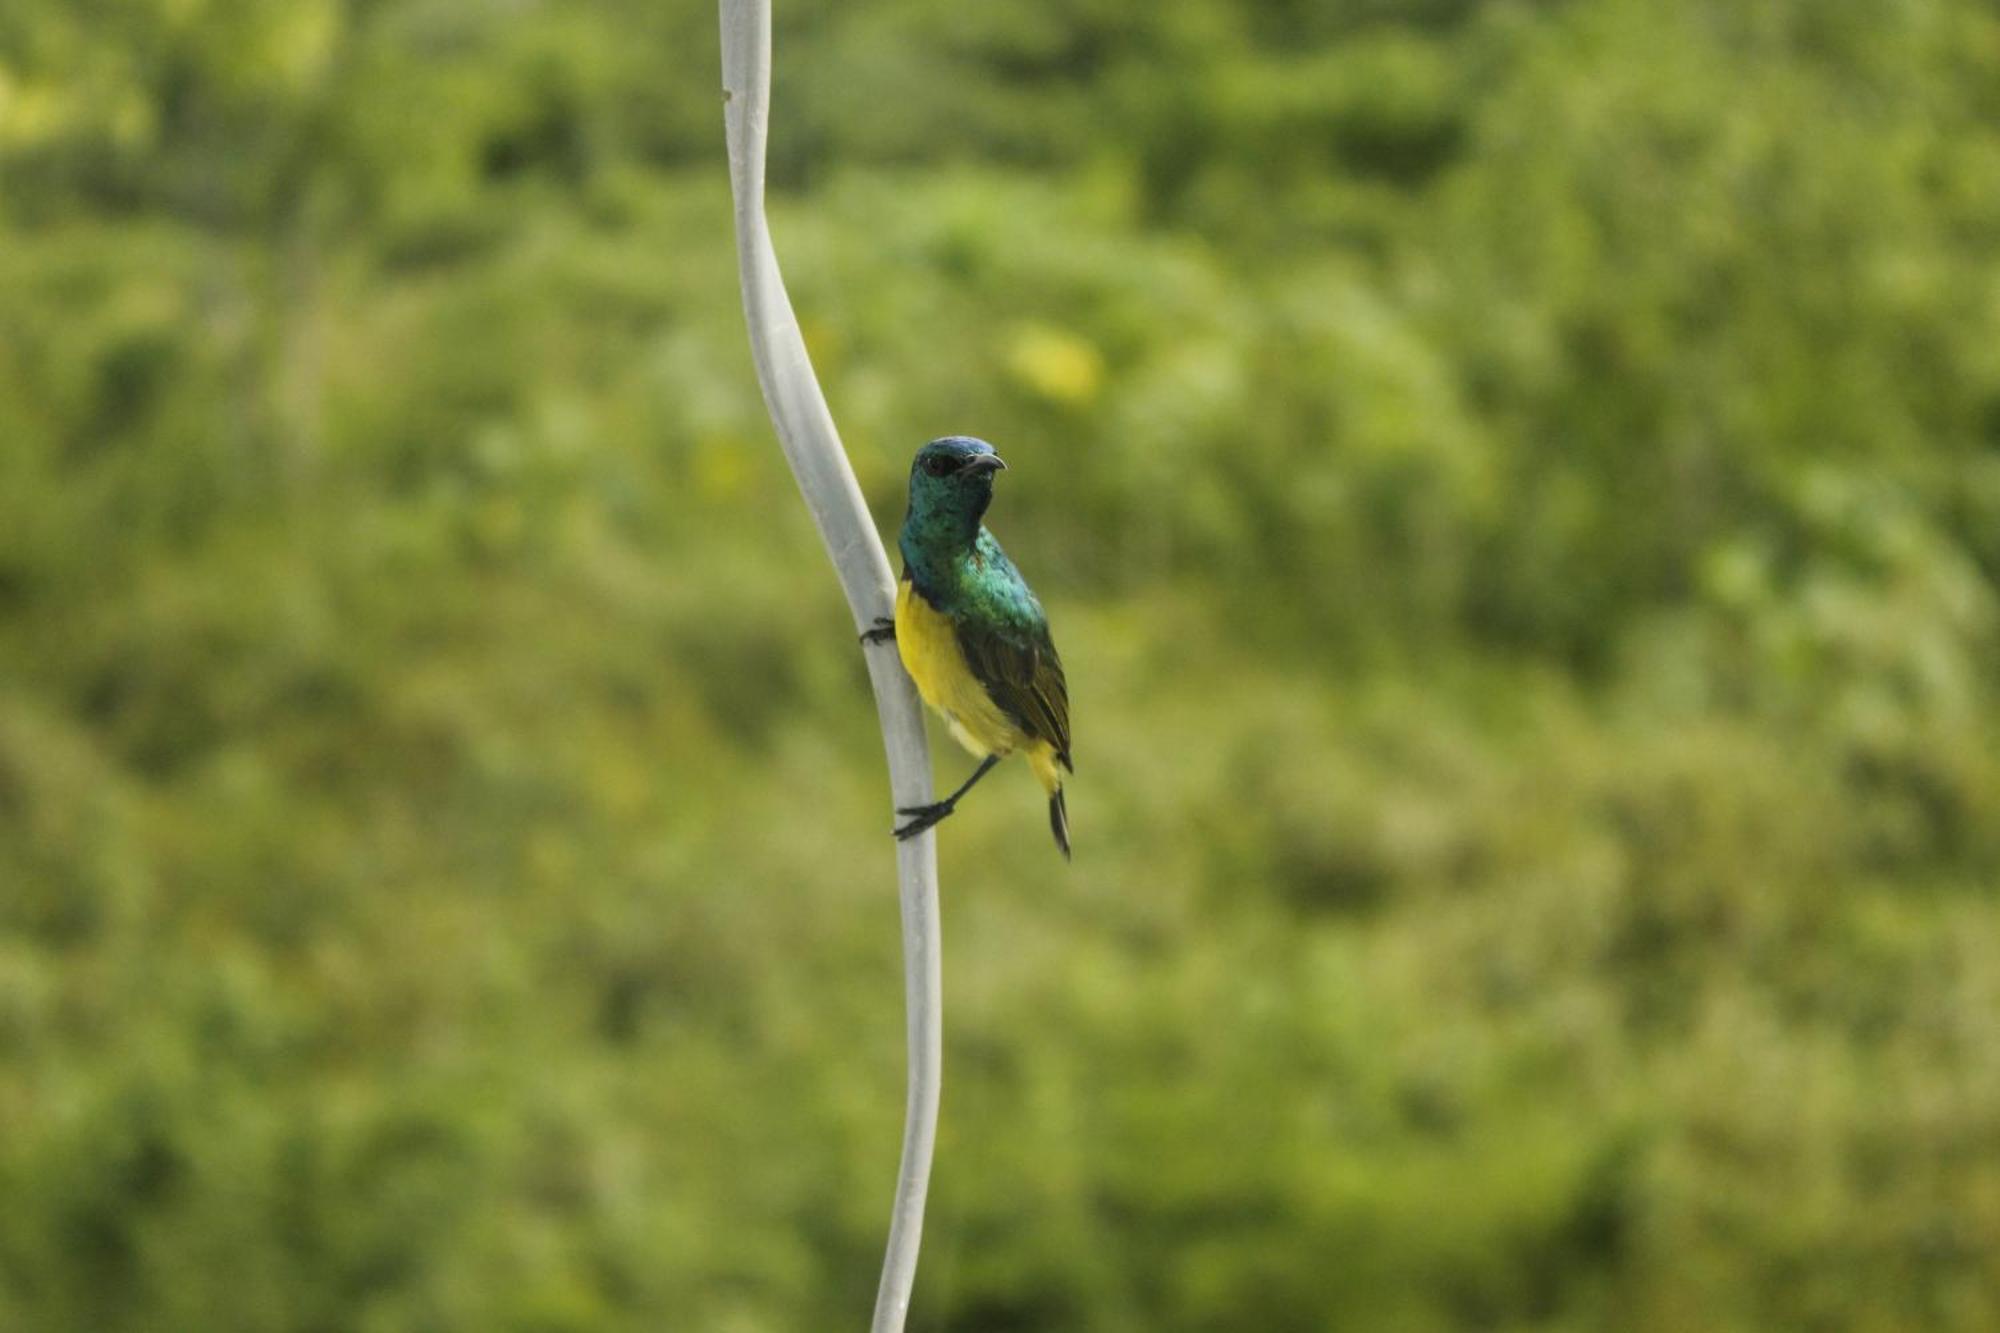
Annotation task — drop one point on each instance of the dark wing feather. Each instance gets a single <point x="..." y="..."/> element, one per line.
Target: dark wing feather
<point x="1020" y="669"/>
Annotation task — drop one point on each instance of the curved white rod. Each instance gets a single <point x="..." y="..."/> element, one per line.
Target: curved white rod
<point x="812" y="447"/>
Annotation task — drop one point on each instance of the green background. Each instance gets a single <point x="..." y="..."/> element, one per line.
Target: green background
<point x="1517" y="487"/>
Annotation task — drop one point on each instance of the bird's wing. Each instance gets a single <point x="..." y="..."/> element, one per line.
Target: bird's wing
<point x="1020" y="670"/>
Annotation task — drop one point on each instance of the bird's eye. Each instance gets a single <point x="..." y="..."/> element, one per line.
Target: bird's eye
<point x="937" y="465"/>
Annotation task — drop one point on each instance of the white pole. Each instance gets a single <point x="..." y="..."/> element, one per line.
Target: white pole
<point x="812" y="446"/>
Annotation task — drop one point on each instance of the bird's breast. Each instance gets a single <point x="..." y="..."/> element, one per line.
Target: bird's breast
<point x="927" y="641"/>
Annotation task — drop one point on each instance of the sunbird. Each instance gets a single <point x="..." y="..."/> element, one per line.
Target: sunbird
<point x="971" y="633"/>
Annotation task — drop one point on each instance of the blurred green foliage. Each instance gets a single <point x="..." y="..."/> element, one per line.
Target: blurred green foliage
<point x="1517" y="486"/>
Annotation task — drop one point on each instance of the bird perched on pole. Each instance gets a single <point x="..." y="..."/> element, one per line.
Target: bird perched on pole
<point x="971" y="634"/>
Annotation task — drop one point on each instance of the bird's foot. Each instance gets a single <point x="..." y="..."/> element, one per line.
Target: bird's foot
<point x="884" y="631"/>
<point x="924" y="816"/>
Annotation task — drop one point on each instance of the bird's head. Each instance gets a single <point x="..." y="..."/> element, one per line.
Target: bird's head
<point x="952" y="479"/>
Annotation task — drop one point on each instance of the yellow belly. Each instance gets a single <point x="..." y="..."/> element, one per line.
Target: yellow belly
<point x="930" y="652"/>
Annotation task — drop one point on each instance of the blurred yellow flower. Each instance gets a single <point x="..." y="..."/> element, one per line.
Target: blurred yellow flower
<point x="1055" y="364"/>
<point x="722" y="469"/>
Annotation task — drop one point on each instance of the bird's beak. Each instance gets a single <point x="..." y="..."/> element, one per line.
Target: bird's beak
<point x="985" y="463"/>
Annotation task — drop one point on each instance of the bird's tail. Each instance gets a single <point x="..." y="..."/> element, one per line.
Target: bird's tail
<point x="1048" y="763"/>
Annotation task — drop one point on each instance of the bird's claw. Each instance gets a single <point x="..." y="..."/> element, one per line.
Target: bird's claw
<point x="925" y="816"/>
<point x="883" y="631"/>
